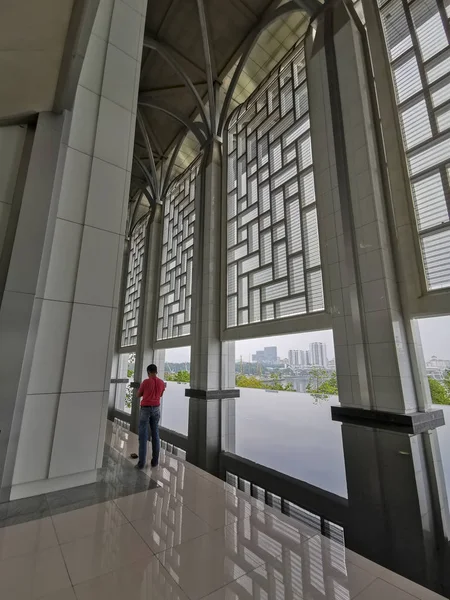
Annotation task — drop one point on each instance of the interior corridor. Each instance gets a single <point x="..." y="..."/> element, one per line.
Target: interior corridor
<point x="188" y="535"/>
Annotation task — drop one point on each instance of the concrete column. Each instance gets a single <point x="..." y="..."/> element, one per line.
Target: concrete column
<point x="212" y="361"/>
<point x="374" y="356"/>
<point x="62" y="290"/>
<point x="12" y="140"/>
<point x="398" y="502"/>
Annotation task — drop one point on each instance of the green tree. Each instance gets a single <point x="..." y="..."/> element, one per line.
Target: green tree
<point x="439" y="391"/>
<point x="183" y="377"/>
<point x="130" y="375"/>
<point x="277" y="385"/>
<point x="446" y="381"/>
<point x="180" y="377"/>
<point x="129" y="389"/>
<point x="321" y="385"/>
<point x="250" y="381"/>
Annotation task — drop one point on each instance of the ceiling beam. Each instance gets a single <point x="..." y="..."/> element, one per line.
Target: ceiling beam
<point x="177" y="54"/>
<point x="167" y="55"/>
<point x="156" y="184"/>
<point x="157" y="92"/>
<point x="164" y="20"/>
<point x="194" y="127"/>
<point x="154" y="140"/>
<point x="210" y="61"/>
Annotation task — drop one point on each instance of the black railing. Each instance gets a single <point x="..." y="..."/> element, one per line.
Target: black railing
<point x="120" y="415"/>
<point x="319" y="508"/>
<point x="177" y="440"/>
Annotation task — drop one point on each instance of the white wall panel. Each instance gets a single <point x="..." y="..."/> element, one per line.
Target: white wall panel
<point x="36" y="438"/>
<point x="76" y="434"/>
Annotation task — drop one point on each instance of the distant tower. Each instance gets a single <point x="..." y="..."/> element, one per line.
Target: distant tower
<point x="318" y="354"/>
<point x="293" y="357"/>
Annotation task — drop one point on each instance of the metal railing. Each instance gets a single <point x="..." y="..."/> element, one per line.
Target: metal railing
<point x="317" y="508"/>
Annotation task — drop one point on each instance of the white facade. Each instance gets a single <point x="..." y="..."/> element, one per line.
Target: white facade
<point x="63" y="280"/>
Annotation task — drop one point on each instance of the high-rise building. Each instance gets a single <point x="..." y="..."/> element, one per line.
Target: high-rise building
<point x="303" y="358"/>
<point x="318" y="354"/>
<point x="271" y="354"/>
<point x="293" y="356"/>
<point x="268" y="355"/>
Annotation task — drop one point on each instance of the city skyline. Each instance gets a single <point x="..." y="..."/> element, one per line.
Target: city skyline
<point x="435" y="336"/>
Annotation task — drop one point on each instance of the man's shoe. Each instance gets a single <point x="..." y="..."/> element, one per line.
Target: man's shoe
<point x="154" y="463"/>
<point x="139" y="466"/>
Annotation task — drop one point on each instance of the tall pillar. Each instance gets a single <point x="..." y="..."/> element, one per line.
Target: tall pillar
<point x="398" y="502"/>
<point x="375" y="359"/>
<point x="59" y="310"/>
<point x="211" y="408"/>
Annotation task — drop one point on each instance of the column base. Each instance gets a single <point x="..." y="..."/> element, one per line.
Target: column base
<point x="55" y="484"/>
<point x="417" y="422"/>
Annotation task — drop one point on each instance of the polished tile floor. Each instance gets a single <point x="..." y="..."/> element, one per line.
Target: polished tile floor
<point x="191" y="537"/>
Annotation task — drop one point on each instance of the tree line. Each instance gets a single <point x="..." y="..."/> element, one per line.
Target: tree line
<point x="321" y="384"/>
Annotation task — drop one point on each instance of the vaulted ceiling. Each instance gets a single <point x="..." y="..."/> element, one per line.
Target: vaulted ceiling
<point x="174" y="26"/>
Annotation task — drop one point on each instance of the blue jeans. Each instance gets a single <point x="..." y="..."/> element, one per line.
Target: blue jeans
<point x="149" y="416"/>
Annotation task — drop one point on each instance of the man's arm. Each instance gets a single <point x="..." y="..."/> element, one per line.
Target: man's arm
<point x="140" y="392"/>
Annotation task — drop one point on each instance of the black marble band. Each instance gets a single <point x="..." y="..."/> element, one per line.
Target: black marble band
<point x="212" y="394"/>
<point x="412" y="423"/>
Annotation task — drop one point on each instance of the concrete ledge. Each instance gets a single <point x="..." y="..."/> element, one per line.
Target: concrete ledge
<point x="411" y="423"/>
<point x="212" y="394"/>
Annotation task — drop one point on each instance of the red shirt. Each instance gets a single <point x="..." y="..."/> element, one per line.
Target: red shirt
<point x="151" y="391"/>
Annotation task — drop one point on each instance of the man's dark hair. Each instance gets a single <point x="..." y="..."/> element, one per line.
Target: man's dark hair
<point x="152" y="369"/>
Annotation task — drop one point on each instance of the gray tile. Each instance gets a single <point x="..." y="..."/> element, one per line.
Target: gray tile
<point x="24" y="510"/>
<point x="117" y="478"/>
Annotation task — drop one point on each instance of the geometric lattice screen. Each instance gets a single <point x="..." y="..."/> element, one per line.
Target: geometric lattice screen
<point x="133" y="288"/>
<point x="417" y="35"/>
<point x="174" y="310"/>
<point x="273" y="256"/>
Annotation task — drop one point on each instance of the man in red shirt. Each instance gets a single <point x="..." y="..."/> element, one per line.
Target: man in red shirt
<point x="151" y="391"/>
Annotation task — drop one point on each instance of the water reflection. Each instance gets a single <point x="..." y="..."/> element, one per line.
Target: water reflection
<point x="293" y="434"/>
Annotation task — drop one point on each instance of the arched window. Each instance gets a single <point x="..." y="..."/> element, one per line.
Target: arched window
<point x="273" y="256"/>
<point x="174" y="310"/>
<point x="133" y="285"/>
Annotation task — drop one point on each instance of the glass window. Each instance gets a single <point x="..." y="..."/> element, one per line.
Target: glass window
<point x="175" y="405"/>
<point x="283" y="418"/>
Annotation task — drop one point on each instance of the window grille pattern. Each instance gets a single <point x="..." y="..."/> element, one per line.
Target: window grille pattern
<point x="273" y="256"/>
<point x="133" y="286"/>
<point x="174" y="311"/>
<point x="417" y="35"/>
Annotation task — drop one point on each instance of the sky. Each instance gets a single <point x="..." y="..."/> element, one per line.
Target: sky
<point x="435" y="334"/>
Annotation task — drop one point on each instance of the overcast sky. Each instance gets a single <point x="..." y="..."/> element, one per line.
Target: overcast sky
<point x="435" y="333"/>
